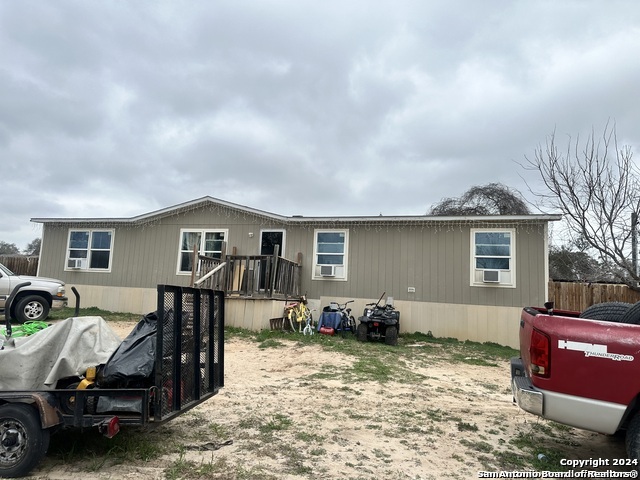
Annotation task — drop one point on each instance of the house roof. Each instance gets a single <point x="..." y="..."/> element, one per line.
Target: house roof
<point x="294" y="219"/>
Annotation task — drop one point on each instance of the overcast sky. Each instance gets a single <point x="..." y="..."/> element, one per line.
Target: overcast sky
<point x="119" y="108"/>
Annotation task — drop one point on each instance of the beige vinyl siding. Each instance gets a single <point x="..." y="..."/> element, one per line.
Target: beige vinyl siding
<point x="437" y="264"/>
<point x="147" y="256"/>
<point x="388" y="257"/>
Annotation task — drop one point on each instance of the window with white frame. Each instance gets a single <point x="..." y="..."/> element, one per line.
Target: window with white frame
<point x="493" y="257"/>
<point x="89" y="250"/>
<point x="330" y="249"/>
<point x="208" y="243"/>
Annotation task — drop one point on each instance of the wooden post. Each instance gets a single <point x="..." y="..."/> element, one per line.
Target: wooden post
<point x="194" y="264"/>
<point x="634" y="243"/>
<point x="274" y="269"/>
<point x="223" y="273"/>
<point x="297" y="279"/>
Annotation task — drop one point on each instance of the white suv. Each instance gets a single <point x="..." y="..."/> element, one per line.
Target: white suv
<point x="34" y="301"/>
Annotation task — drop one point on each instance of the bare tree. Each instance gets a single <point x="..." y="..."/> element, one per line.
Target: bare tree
<point x="491" y="199"/>
<point x="596" y="187"/>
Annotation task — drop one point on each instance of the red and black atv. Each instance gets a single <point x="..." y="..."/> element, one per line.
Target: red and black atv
<point x="379" y="321"/>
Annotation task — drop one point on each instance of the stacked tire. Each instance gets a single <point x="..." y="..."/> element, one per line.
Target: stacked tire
<point x="618" y="312"/>
<point x="608" y="311"/>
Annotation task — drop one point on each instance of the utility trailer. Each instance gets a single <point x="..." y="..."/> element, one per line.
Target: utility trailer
<point x="187" y="369"/>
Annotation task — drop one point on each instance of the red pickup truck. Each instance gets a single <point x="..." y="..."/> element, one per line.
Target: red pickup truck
<point x="582" y="369"/>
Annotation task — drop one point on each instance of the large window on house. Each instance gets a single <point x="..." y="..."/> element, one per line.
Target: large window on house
<point x="207" y="242"/>
<point x="330" y="249"/>
<point x="89" y="250"/>
<point x="493" y="257"/>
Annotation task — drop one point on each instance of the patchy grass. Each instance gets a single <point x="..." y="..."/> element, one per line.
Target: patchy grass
<point x="300" y="448"/>
<point x="94" y="451"/>
<point x="94" y="312"/>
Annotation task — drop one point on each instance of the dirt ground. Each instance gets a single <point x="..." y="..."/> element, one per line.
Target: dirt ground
<point x="288" y="412"/>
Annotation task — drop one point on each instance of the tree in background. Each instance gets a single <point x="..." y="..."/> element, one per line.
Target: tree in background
<point x="8" y="248"/>
<point x="569" y="265"/>
<point x="490" y="199"/>
<point x="34" y="247"/>
<point x="595" y="185"/>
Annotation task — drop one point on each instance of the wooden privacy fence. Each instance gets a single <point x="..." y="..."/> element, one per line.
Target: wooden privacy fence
<point x="20" y="264"/>
<point x="578" y="296"/>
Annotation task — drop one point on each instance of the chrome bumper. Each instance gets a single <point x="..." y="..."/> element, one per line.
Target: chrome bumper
<point x="524" y="393"/>
<point x="58" y="303"/>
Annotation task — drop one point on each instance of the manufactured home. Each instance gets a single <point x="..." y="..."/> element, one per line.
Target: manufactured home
<point x="461" y="277"/>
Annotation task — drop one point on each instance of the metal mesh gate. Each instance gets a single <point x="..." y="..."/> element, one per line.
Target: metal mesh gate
<point x="191" y="339"/>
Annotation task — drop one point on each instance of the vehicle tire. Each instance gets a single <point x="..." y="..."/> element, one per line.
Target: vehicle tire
<point x="391" y="336"/>
<point x="30" y="308"/>
<point x="632" y="440"/>
<point x="361" y="332"/>
<point x="607" y="311"/>
<point x="632" y="315"/>
<point x="23" y="442"/>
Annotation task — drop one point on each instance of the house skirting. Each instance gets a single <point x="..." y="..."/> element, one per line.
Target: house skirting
<point x="478" y="323"/>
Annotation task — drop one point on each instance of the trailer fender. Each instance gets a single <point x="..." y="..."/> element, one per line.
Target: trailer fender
<point x="45" y="403"/>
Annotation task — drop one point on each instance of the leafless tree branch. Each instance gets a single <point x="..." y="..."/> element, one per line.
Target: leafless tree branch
<point x="595" y="185"/>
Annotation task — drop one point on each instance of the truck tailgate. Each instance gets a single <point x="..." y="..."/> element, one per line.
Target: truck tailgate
<point x="587" y="358"/>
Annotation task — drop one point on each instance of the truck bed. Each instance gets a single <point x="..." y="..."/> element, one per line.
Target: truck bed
<point x="577" y="371"/>
<point x="590" y="358"/>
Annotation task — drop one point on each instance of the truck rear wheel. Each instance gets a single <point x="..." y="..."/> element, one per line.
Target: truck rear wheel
<point x="607" y="311"/>
<point x="632" y="439"/>
<point x="23" y="442"/>
<point x="31" y="307"/>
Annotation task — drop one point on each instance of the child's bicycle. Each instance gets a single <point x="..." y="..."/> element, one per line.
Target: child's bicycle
<point x="309" y="328"/>
<point x="347" y="322"/>
<point x="298" y="313"/>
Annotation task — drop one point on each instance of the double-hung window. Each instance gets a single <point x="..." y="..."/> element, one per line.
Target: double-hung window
<point x="493" y="257"/>
<point x="89" y="250"/>
<point x="207" y="242"/>
<point x="330" y="251"/>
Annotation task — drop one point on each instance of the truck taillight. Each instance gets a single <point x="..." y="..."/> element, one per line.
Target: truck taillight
<point x="539" y="352"/>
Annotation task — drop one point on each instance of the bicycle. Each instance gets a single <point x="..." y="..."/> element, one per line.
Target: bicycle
<point x="346" y="323"/>
<point x="297" y="313"/>
<point x="308" y="328"/>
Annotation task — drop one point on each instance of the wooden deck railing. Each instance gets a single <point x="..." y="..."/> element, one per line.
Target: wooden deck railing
<point x="267" y="276"/>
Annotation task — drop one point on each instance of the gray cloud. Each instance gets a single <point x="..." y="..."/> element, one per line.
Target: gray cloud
<point x="119" y="108"/>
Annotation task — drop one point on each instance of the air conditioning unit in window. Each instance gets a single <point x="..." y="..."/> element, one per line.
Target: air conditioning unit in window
<point x="327" y="270"/>
<point x="75" y="263"/>
<point x="491" y="276"/>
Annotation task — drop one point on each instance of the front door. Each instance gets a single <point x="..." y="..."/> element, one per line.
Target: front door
<point x="268" y="241"/>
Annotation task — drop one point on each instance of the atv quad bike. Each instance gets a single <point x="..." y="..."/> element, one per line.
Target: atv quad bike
<point x="379" y="322"/>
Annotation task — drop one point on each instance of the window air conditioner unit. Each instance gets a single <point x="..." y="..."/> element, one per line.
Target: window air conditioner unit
<point x="327" y="270"/>
<point x="491" y="276"/>
<point x="74" y="263"/>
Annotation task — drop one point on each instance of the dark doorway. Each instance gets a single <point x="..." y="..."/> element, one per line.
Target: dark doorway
<point x="268" y="241"/>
